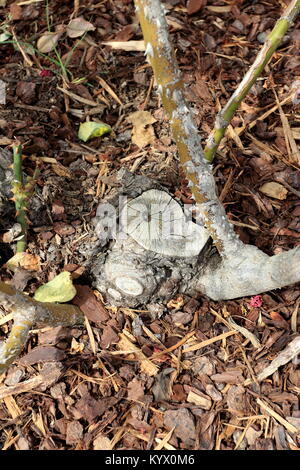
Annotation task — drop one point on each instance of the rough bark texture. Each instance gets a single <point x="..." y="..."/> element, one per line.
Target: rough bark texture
<point x="128" y="274"/>
<point x="198" y="172"/>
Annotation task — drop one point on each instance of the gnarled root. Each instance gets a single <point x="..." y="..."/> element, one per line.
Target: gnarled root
<point x="250" y="272"/>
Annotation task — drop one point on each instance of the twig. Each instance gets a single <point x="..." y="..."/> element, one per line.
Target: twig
<point x="207" y="342"/>
<point x="292" y="429"/>
<point x="25" y="56"/>
<point x="272" y="42"/>
<point x="20" y="197"/>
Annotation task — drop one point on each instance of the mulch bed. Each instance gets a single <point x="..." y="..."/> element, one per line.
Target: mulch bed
<point x="178" y="376"/>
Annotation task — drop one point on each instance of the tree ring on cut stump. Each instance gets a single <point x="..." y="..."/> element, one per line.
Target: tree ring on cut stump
<point x="157" y="222"/>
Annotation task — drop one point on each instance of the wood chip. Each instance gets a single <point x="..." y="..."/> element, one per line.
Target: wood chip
<point x="199" y="400"/>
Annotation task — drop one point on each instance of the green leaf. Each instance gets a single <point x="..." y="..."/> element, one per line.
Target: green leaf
<point x="60" y="289"/>
<point x="88" y="130"/>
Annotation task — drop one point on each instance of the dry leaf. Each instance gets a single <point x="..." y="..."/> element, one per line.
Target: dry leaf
<point x="142" y="132"/>
<point x="78" y="26"/>
<point x="24" y="260"/>
<point x="48" y="42"/>
<point x="126" y="45"/>
<point x="275" y="190"/>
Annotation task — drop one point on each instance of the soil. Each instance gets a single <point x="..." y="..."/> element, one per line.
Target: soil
<point x="127" y="380"/>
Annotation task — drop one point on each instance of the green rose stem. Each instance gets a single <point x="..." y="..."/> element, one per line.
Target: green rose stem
<point x="272" y="42"/>
<point x="20" y="198"/>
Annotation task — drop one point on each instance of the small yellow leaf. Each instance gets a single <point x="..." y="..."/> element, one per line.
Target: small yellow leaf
<point x="24" y="260"/>
<point x="91" y="129"/>
<point x="60" y="289"/>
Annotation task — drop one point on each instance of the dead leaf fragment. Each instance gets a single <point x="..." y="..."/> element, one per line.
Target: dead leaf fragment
<point x="15" y="12"/>
<point x="78" y="26"/>
<point x="142" y="132"/>
<point x="23" y="11"/>
<point x="63" y="229"/>
<point x="275" y="190"/>
<point x="24" y="260"/>
<point x="89" y="408"/>
<point x="146" y="365"/>
<point x="12" y="233"/>
<point x="48" y="42"/>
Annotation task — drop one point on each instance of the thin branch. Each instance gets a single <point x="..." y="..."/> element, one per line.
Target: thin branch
<point x="22" y="193"/>
<point x="20" y="198"/>
<point x="28" y="312"/>
<point x="170" y="86"/>
<point x="272" y="42"/>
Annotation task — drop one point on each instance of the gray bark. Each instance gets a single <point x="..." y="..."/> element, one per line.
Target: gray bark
<point x="145" y="264"/>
